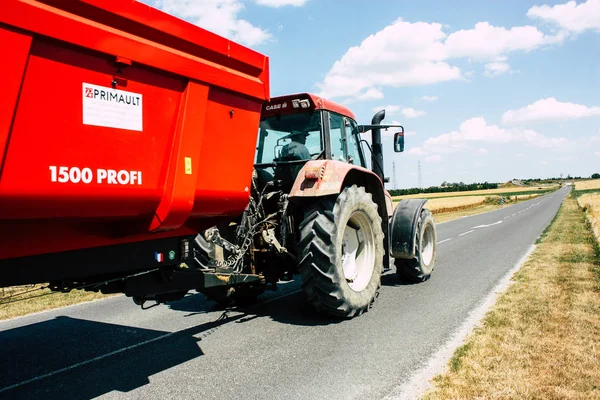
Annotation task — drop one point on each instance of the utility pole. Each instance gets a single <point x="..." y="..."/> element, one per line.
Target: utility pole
<point x="419" y="176"/>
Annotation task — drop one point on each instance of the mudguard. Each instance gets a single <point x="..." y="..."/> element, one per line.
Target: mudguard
<point x="403" y="228"/>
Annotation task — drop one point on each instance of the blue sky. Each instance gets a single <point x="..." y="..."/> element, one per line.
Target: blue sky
<point x="487" y="90"/>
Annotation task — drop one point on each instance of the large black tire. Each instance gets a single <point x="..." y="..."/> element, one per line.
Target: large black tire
<point x="328" y="234"/>
<point x="420" y="268"/>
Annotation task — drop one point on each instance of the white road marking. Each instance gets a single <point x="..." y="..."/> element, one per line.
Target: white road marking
<point x="486" y="226"/>
<point x="112" y="353"/>
<point x="466" y="233"/>
<point x="445" y="240"/>
<point x="507" y="217"/>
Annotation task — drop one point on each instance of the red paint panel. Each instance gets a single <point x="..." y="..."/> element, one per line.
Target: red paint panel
<point x="15" y="48"/>
<point x="199" y="100"/>
<point x="48" y="131"/>
<point x="178" y="199"/>
<point x="329" y="181"/>
<point x="226" y="161"/>
<point x="46" y="20"/>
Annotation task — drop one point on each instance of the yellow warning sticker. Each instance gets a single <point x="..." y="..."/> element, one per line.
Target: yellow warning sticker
<point x="188" y="165"/>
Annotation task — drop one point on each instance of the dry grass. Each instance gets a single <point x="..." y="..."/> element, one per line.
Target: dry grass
<point x="486" y="192"/>
<point x="39" y="299"/>
<point x="587" y="185"/>
<point x="542" y="338"/>
<point x="590" y="203"/>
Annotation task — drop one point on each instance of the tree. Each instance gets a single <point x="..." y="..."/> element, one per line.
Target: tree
<point x="596" y="176"/>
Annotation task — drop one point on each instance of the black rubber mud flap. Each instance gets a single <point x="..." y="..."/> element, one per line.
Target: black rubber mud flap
<point x="403" y="228"/>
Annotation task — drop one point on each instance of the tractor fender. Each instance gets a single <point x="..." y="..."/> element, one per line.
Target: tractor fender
<point x="325" y="177"/>
<point x="403" y="226"/>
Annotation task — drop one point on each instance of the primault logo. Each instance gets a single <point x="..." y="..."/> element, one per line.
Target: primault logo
<point x="113" y="95"/>
<point x="112" y="108"/>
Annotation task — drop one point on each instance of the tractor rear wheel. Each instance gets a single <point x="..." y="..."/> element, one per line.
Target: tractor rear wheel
<point x="341" y="253"/>
<point x="419" y="269"/>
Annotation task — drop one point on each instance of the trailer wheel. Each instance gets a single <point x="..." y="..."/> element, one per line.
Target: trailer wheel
<point x="419" y="269"/>
<point x="341" y="253"/>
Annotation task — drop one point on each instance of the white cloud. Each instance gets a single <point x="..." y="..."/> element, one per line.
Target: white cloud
<point x="401" y="54"/>
<point x="597" y="153"/>
<point x="497" y="68"/>
<point x="418" y="53"/>
<point x="570" y="16"/>
<point x="482" y="151"/>
<point x="281" y="3"/>
<point x="371" y="94"/>
<point x="547" y="110"/>
<point x="429" y="98"/>
<point x="488" y="42"/>
<point x="433" y="159"/>
<point x="407" y="112"/>
<point x="475" y="131"/>
<point x="389" y="109"/>
<point x="410" y="112"/>
<point x="218" y="16"/>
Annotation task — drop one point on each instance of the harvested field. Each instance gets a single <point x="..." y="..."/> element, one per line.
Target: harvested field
<point x="450" y="204"/>
<point x="588" y="185"/>
<point x="591" y="204"/>
<point x="487" y="192"/>
<point x="460" y="203"/>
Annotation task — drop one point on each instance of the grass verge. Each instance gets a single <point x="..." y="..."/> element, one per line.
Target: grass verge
<point x="541" y="339"/>
<point x="39" y="299"/>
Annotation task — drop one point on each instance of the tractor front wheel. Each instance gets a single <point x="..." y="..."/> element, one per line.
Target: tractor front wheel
<point x="341" y="253"/>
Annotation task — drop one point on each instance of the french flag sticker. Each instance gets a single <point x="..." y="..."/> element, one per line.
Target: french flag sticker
<point x="159" y="257"/>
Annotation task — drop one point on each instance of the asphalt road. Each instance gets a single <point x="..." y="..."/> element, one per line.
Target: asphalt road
<point x="277" y="349"/>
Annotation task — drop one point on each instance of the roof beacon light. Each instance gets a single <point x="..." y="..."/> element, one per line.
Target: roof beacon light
<point x="296" y="103"/>
<point x="305" y="103"/>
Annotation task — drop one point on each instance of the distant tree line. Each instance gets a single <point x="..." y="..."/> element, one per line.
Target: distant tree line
<point x="445" y="187"/>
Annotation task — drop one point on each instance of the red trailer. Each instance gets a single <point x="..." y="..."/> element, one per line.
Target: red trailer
<point x="123" y="132"/>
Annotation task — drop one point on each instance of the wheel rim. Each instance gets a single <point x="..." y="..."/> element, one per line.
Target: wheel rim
<point x="427" y="244"/>
<point x="358" y="251"/>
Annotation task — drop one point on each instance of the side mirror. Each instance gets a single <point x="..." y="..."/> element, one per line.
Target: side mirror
<point x="399" y="142"/>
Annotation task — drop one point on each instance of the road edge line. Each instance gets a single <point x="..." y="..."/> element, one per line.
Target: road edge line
<point x="419" y="382"/>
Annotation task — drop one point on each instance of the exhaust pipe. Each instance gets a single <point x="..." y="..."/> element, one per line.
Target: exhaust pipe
<point x="377" y="154"/>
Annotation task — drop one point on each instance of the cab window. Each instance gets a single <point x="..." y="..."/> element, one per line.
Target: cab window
<point x="353" y="140"/>
<point x="337" y="137"/>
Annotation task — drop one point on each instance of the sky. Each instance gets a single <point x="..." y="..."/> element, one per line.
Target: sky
<point x="486" y="90"/>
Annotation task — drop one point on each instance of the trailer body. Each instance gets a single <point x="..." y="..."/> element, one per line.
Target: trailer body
<point x="120" y="127"/>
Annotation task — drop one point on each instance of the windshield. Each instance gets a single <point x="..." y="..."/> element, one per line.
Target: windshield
<point x="289" y="137"/>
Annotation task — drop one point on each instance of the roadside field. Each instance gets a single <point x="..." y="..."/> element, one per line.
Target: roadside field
<point x="22" y="300"/>
<point x="510" y="191"/>
<point x="450" y="208"/>
<point x="540" y="340"/>
<point x="588" y="185"/>
<point x="590" y="203"/>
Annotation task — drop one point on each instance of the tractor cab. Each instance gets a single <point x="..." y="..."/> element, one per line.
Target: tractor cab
<point x="298" y="128"/>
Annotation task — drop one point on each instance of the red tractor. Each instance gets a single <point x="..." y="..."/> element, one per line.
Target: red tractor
<point x="315" y="209"/>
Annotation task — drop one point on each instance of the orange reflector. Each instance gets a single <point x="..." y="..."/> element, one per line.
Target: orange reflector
<point x="314" y="172"/>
